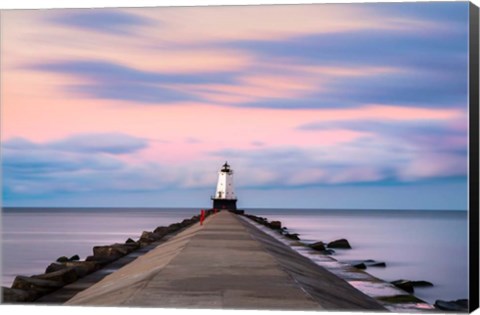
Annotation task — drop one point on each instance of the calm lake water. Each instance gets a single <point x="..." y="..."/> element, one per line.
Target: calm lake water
<point x="416" y="245"/>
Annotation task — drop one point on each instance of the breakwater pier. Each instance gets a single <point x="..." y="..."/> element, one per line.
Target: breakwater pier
<point x="224" y="263"/>
<point x="230" y="260"/>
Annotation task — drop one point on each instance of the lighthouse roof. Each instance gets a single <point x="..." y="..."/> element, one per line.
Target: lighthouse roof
<point x="226" y="167"/>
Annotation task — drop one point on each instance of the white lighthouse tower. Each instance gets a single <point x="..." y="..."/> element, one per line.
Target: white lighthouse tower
<point x="225" y="195"/>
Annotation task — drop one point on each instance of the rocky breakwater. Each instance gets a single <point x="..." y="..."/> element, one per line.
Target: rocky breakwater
<point x="66" y="270"/>
<point x="324" y="248"/>
<point x="399" y="299"/>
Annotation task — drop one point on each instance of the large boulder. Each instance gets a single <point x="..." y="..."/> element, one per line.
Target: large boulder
<point x="409" y="286"/>
<point x="74" y="258"/>
<point x="292" y="236"/>
<point x="454" y="306"/>
<point x="187" y="222"/>
<point x="62" y="259"/>
<point x="16" y="295"/>
<point x="100" y="261"/>
<point x="112" y="251"/>
<point x="405" y="285"/>
<point x="275" y="225"/>
<point x="422" y="283"/>
<point x="150" y="237"/>
<point x="64" y="276"/>
<point x="161" y="230"/>
<point x="174" y="227"/>
<point x="262" y="220"/>
<point x="55" y="267"/>
<point x="328" y="251"/>
<point x="360" y="266"/>
<point x="341" y="243"/>
<point x="130" y="241"/>
<point x="83" y="268"/>
<point x="366" y="263"/>
<point x="37" y="287"/>
<point x="320" y="246"/>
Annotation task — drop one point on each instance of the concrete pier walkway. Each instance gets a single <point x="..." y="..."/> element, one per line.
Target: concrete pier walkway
<point x="226" y="263"/>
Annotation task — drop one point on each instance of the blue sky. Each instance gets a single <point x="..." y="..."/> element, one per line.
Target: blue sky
<point x="314" y="106"/>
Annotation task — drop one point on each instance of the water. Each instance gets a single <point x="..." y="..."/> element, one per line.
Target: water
<point x="416" y="245"/>
<point x="33" y="238"/>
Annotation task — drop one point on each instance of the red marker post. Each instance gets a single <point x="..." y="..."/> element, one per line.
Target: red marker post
<point x="202" y="216"/>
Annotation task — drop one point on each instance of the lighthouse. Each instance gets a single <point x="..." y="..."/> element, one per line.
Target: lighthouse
<point x="225" y="196"/>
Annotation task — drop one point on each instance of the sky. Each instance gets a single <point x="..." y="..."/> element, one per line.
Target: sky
<point x="360" y="106"/>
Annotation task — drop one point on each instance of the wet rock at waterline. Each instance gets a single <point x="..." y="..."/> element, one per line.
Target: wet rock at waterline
<point x="17" y="295"/>
<point x="408" y="285"/>
<point x="62" y="259"/>
<point x="318" y="246"/>
<point x="341" y="243"/>
<point x="454" y="306"/>
<point x="275" y="225"/>
<point x="364" y="264"/>
<point x="65" y="276"/>
<point x="292" y="236"/>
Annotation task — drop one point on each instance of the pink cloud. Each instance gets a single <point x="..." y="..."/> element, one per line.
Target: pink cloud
<point x="433" y="164"/>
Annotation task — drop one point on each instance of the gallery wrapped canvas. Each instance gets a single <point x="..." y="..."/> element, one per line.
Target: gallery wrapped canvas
<point x="282" y="157"/>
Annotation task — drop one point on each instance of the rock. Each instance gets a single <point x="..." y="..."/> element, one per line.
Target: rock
<point x="150" y="237"/>
<point x="296" y="243"/>
<point x="16" y="295"/>
<point x="108" y="253"/>
<point x="422" y="283"/>
<point x="174" y="227"/>
<point x="341" y="243"/>
<point x="161" y="230"/>
<point x="377" y="264"/>
<point x="404" y="285"/>
<point x="184" y="223"/>
<point x="100" y="261"/>
<point x="408" y="285"/>
<point x="318" y="246"/>
<point x="367" y="263"/>
<point x="83" y="268"/>
<point x="360" y="266"/>
<point x="111" y="251"/>
<point x="131" y="246"/>
<point x="41" y="286"/>
<point x="293" y="236"/>
<point x="64" y="276"/>
<point x="276" y="225"/>
<point x="74" y="258"/>
<point x="129" y="241"/>
<point x="62" y="259"/>
<point x="454" y="306"/>
<point x="55" y="267"/>
<point x="260" y="220"/>
<point x="328" y="251"/>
